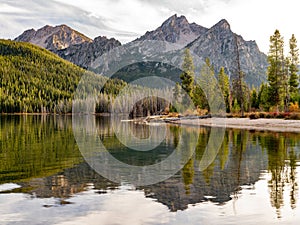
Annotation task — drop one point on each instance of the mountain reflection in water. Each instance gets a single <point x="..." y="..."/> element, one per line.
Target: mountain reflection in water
<point x="39" y="154"/>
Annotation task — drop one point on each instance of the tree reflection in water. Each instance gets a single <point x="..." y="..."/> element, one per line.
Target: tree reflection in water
<point x="39" y="153"/>
<point x="282" y="159"/>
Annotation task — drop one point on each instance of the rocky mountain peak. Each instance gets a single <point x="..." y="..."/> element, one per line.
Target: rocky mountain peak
<point x="26" y="36"/>
<point x="53" y="38"/>
<point x="219" y="44"/>
<point x="175" y="29"/>
<point x="222" y="24"/>
<point x="69" y="44"/>
<point x="101" y="38"/>
<point x="86" y="53"/>
<point x="174" y="21"/>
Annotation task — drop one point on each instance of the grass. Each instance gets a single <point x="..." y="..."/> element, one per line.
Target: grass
<point x="275" y="115"/>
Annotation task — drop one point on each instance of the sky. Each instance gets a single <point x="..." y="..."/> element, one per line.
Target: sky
<point x="126" y="20"/>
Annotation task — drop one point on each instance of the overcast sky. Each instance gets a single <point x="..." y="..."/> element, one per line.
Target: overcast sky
<point x="126" y="20"/>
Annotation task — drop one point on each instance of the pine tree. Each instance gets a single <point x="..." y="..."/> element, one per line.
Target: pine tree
<point x="275" y="71"/>
<point x="187" y="76"/>
<point x="293" y="68"/>
<point x="208" y="82"/>
<point x="199" y="97"/>
<point x="177" y="90"/>
<point x="254" y="100"/>
<point x="285" y="84"/>
<point x="174" y="107"/>
<point x="238" y="81"/>
<point x="263" y="98"/>
<point x="223" y="81"/>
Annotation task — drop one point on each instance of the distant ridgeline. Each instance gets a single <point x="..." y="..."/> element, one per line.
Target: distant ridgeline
<point x="217" y="43"/>
<point x="35" y="80"/>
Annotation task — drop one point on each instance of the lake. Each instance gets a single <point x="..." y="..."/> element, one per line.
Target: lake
<point x="100" y="170"/>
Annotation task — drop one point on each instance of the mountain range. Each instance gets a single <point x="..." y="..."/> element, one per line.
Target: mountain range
<point x="217" y="43"/>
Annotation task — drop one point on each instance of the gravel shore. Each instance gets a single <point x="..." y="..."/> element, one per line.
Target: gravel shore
<point x="279" y="125"/>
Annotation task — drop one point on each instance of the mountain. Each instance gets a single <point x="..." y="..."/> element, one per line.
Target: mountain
<point x="86" y="53"/>
<point x="53" y="38"/>
<point x="219" y="45"/>
<point x="69" y="44"/>
<point x="176" y="30"/>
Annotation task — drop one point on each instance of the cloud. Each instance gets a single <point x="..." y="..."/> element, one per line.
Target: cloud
<point x="125" y="20"/>
<point x="18" y="16"/>
<point x="128" y="19"/>
<point x="5" y="8"/>
<point x="132" y="16"/>
<point x="135" y="17"/>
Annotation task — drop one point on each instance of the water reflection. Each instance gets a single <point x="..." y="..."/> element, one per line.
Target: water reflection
<point x="66" y="184"/>
<point x="283" y="153"/>
<point x="130" y="162"/>
<point x="237" y="163"/>
<point x="35" y="146"/>
<point x="39" y="154"/>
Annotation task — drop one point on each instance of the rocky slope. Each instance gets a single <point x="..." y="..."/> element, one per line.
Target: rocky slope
<point x="219" y="45"/>
<point x="86" y="53"/>
<point x="69" y="44"/>
<point x="176" y="30"/>
<point x="53" y="38"/>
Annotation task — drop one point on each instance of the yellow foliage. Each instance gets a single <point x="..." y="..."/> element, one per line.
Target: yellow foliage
<point x="294" y="107"/>
<point x="202" y="112"/>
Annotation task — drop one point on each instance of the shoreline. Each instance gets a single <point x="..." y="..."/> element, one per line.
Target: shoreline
<point x="278" y="125"/>
<point x="50" y="114"/>
<point x="261" y="124"/>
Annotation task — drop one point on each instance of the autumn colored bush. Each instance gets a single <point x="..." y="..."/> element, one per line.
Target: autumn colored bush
<point x="294" y="107"/>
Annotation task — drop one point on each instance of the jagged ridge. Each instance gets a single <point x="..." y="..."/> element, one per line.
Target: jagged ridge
<point x="216" y="43"/>
<point x="176" y="30"/>
<point x="84" y="54"/>
<point x="219" y="45"/>
<point x="53" y="38"/>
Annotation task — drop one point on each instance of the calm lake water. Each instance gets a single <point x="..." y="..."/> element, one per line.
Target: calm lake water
<point x="45" y="178"/>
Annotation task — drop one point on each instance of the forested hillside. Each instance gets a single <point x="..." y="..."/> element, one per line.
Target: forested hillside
<point x="35" y="80"/>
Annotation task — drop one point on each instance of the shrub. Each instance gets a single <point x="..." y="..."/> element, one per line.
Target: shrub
<point x="293" y="116"/>
<point x="253" y="116"/>
<point x="294" y="107"/>
<point x="229" y="115"/>
<point x="202" y="112"/>
<point x="262" y="115"/>
<point x="269" y="115"/>
<point x="279" y="115"/>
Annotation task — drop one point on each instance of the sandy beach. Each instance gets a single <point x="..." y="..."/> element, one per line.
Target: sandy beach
<point x="278" y="125"/>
